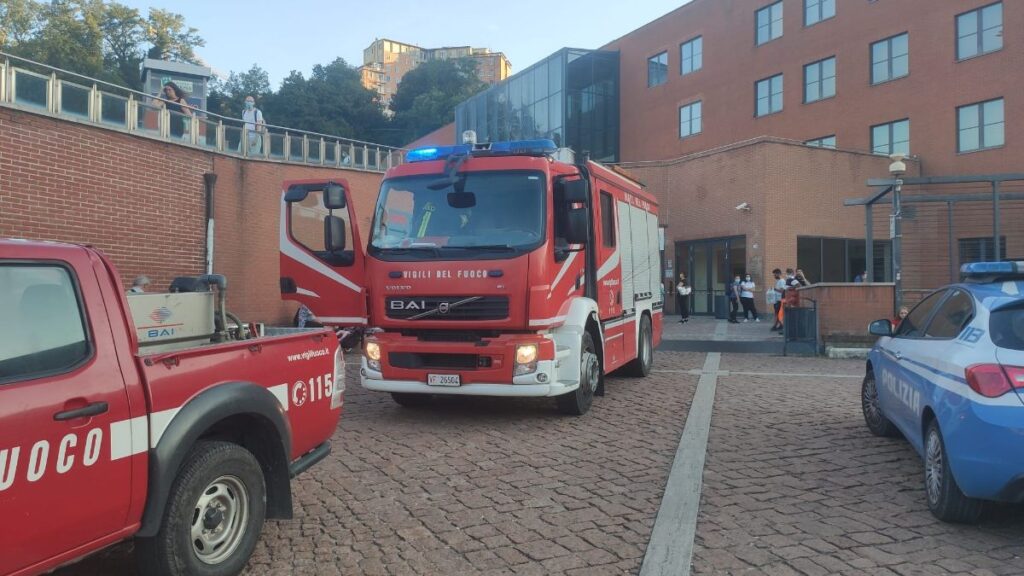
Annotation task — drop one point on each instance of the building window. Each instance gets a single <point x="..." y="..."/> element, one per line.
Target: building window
<point x="820" y="80"/>
<point x="979" y="31"/>
<point x="817" y="10"/>
<point x="823" y="142"/>
<point x="691" y="55"/>
<point x="841" y="259"/>
<point x="980" y="126"/>
<point x="980" y="249"/>
<point x="769" y="95"/>
<point x="657" y="69"/>
<point x="690" y="119"/>
<point x="769" y="23"/>
<point x="890" y="59"/>
<point x="891" y="138"/>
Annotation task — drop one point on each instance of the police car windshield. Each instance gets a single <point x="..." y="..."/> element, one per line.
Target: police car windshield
<point x="482" y="211"/>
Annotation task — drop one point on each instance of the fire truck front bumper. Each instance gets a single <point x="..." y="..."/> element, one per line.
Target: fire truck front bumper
<point x="524" y="386"/>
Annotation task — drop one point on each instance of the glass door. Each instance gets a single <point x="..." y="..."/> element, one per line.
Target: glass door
<point x="709" y="265"/>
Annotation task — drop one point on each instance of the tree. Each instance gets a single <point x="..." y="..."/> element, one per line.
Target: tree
<point x="170" y="38"/>
<point x="123" y="34"/>
<point x="19" y="20"/>
<point x="227" y="97"/>
<point x="428" y="94"/>
<point x="68" y="36"/>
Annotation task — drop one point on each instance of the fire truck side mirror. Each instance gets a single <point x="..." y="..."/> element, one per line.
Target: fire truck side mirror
<point x="334" y="234"/>
<point x="573" y="191"/>
<point x="334" y="196"/>
<point x="577" y="225"/>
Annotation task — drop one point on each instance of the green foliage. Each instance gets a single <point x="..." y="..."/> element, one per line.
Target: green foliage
<point x="98" y="38"/>
<point x="427" y="96"/>
<point x="227" y="97"/>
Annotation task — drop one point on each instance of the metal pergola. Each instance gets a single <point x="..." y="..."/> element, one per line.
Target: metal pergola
<point x="895" y="185"/>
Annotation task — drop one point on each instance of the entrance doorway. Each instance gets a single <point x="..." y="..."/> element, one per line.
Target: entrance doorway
<point x="709" y="265"/>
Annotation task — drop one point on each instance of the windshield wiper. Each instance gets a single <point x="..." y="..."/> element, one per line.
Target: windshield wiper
<point x="492" y="247"/>
<point x="436" y="251"/>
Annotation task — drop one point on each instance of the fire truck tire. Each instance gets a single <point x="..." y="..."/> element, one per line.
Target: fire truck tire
<point x="213" y="517"/>
<point x="577" y="402"/>
<point x="411" y="400"/>
<point x="641" y="366"/>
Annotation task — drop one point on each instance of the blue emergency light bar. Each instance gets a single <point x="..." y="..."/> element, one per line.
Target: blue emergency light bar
<point x="517" y="147"/>
<point x="992" y="269"/>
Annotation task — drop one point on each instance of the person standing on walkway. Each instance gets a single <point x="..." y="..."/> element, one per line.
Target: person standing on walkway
<point x="683" y="291"/>
<point x="779" y="289"/>
<point x="747" y="299"/>
<point x="174" y="100"/>
<point x="255" y="125"/>
<point x="732" y="293"/>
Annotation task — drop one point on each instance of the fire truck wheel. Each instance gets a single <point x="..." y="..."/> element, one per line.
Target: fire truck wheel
<point x="213" y="517"/>
<point x="641" y="366"/>
<point x="577" y="402"/>
<point x="411" y="400"/>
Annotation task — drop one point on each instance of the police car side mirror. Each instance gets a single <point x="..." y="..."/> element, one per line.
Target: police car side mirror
<point x="881" y="327"/>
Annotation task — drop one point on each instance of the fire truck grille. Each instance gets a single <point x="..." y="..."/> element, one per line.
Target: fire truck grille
<point x="413" y="360"/>
<point x="446" y="308"/>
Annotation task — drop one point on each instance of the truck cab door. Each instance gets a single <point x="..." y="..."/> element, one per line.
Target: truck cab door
<point x="322" y="260"/>
<point x="609" y="282"/>
<point x="67" y="439"/>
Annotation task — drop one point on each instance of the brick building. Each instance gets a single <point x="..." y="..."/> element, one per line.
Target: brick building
<point x="723" y="83"/>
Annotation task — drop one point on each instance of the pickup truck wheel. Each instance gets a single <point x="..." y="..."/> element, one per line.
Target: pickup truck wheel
<point x="577" y="402"/>
<point x="877" y="423"/>
<point x="945" y="499"/>
<point x="411" y="400"/>
<point x="213" y="517"/>
<point x="641" y="366"/>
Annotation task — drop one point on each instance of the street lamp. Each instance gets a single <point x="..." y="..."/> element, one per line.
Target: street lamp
<point x="897" y="169"/>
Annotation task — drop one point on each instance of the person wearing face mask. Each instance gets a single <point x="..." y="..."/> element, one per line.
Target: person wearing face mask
<point x="732" y="293"/>
<point x="254" y="123"/>
<point x="747" y="299"/>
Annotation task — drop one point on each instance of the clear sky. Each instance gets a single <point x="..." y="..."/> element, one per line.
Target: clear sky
<point x="282" y="36"/>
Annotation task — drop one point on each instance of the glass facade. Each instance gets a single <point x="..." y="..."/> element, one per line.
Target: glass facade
<point x="571" y="97"/>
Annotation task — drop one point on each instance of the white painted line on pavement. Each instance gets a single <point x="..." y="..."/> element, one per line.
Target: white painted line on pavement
<point x="721" y="331"/>
<point x="768" y="374"/>
<point x="670" y="549"/>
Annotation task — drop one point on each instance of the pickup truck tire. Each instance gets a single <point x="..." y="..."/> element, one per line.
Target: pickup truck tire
<point x="213" y="517"/>
<point x="411" y="400"/>
<point x="578" y="402"/>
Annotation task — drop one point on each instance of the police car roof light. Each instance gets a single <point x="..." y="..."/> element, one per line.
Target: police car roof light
<point x="992" y="268"/>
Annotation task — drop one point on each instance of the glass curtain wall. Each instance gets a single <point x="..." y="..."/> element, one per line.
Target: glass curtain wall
<point x="570" y="97"/>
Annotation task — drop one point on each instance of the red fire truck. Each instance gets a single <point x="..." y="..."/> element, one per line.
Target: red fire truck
<point x="491" y="270"/>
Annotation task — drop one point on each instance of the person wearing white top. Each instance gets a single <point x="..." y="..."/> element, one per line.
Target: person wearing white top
<point x="254" y="124"/>
<point x="683" y="291"/>
<point x="747" y="299"/>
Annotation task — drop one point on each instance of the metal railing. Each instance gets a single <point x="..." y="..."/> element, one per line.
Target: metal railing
<point x="63" y="94"/>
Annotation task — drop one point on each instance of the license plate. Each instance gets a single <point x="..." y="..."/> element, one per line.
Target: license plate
<point x="443" y="380"/>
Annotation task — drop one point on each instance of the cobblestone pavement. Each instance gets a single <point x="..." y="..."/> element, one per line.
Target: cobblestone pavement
<point x="469" y="486"/>
<point x="795" y="484"/>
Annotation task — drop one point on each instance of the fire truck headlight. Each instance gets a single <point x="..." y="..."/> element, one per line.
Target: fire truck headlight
<point x="526" y="359"/>
<point x="373" y="356"/>
<point x="373" y="351"/>
<point x="526" y="354"/>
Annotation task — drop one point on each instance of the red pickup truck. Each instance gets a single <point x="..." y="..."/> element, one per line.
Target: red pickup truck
<point x="187" y="450"/>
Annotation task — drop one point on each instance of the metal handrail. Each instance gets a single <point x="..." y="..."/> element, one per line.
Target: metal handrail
<point x="344" y="148"/>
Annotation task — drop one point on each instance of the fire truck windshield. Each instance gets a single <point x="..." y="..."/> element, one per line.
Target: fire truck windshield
<point x="483" y="212"/>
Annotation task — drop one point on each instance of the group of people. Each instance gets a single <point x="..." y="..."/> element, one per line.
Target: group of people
<point x="174" y="99"/>
<point x="740" y="293"/>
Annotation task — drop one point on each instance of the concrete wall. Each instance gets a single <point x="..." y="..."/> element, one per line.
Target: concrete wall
<point x="143" y="203"/>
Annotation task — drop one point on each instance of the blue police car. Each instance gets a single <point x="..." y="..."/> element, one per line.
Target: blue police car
<point x="950" y="378"/>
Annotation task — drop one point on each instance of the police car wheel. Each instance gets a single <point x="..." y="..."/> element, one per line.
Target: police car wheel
<point x="578" y="402"/>
<point x="213" y="517"/>
<point x="945" y="499"/>
<point x="877" y="423"/>
<point x="641" y="366"/>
